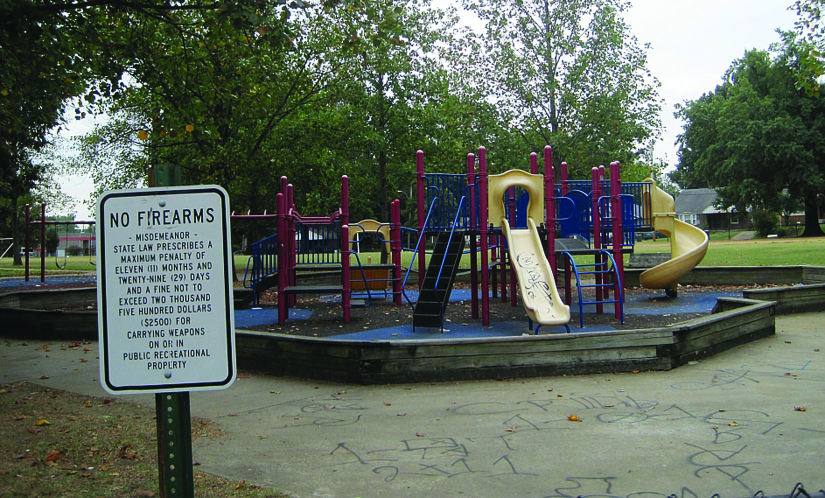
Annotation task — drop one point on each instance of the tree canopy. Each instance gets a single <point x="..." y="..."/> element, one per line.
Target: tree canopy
<point x="759" y="137"/>
<point x="571" y="74"/>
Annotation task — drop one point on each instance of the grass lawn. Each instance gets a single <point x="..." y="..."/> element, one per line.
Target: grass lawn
<point x="756" y="252"/>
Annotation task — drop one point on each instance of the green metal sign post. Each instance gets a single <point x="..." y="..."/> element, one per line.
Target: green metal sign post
<point x="165" y="310"/>
<point x="174" y="420"/>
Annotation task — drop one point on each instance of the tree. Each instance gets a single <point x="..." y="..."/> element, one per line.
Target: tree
<point x="570" y="74"/>
<point x="759" y="138"/>
<point x="52" y="240"/>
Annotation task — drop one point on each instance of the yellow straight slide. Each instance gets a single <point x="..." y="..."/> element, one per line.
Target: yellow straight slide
<point x="539" y="293"/>
<point x="688" y="244"/>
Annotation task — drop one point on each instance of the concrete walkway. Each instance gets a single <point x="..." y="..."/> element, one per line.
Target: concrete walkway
<point x="726" y="425"/>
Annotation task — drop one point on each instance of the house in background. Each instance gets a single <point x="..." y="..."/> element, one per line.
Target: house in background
<point x="695" y="206"/>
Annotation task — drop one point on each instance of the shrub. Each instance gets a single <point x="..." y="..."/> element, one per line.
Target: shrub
<point x="765" y="222"/>
<point x="782" y="232"/>
<point x="74" y="250"/>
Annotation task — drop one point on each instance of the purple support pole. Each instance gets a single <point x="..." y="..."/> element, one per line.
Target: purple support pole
<point x="345" y="200"/>
<point x="26" y="243"/>
<point x="346" y="292"/>
<point x="534" y="163"/>
<point x="283" y="310"/>
<point x="395" y="247"/>
<point x="422" y="213"/>
<point x="471" y="182"/>
<point x="616" y="214"/>
<point x="550" y="203"/>
<point x="597" y="237"/>
<point x="43" y="242"/>
<point x="565" y="187"/>
<point x="510" y="254"/>
<point x="483" y="222"/>
<point x="292" y="254"/>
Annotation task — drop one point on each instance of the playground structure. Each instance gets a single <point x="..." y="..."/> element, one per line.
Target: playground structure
<point x="470" y="205"/>
<point x="520" y="224"/>
<point x="509" y="217"/>
<point x="27" y="242"/>
<point x="323" y="243"/>
<point x="688" y="244"/>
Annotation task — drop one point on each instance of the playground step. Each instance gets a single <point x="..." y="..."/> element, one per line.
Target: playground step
<point x="243" y="298"/>
<point x="435" y="293"/>
<point x="423" y="320"/>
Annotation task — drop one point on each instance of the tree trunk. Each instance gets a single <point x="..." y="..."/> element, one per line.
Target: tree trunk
<point x="812" y="228"/>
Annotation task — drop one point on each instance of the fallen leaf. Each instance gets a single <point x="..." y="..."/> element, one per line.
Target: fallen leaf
<point x="800" y="409"/>
<point x="240" y="485"/>
<point x="147" y="494"/>
<point x="401" y="414"/>
<point x="418" y="434"/>
<point x="233" y="414"/>
<point x="513" y="429"/>
<point x="44" y="377"/>
<point x="573" y="418"/>
<point x="387" y="404"/>
<point x="733" y="424"/>
<point x="42" y="422"/>
<point x="53" y="456"/>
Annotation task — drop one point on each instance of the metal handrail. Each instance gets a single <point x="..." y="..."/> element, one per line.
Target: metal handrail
<point x="415" y="253"/>
<point x="444" y="259"/>
<point x="609" y="269"/>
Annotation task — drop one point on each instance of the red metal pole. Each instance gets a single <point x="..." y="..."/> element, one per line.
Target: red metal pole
<point x="422" y="213"/>
<point x="483" y="222"/>
<point x="43" y="242"/>
<point x="597" y="235"/>
<point x="534" y="163"/>
<point x="550" y="203"/>
<point x="616" y="213"/>
<point x="510" y="255"/>
<point x="345" y="293"/>
<point x="471" y="180"/>
<point x="395" y="246"/>
<point x="345" y="200"/>
<point x="565" y="188"/>
<point x="293" y="245"/>
<point x="26" y="243"/>
<point x="282" y="259"/>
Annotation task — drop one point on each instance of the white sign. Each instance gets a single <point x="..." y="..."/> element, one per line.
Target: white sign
<point x="164" y="292"/>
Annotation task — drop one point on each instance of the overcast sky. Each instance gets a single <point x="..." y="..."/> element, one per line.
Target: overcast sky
<point x="692" y="43"/>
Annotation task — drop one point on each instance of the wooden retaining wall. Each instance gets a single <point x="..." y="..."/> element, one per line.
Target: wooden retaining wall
<point x="37" y="314"/>
<point x="377" y="362"/>
<point x="796" y="299"/>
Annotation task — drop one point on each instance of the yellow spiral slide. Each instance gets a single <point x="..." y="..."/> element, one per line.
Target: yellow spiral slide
<point x="688" y="244"/>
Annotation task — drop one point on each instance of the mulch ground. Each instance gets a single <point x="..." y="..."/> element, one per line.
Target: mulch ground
<point x="327" y="318"/>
